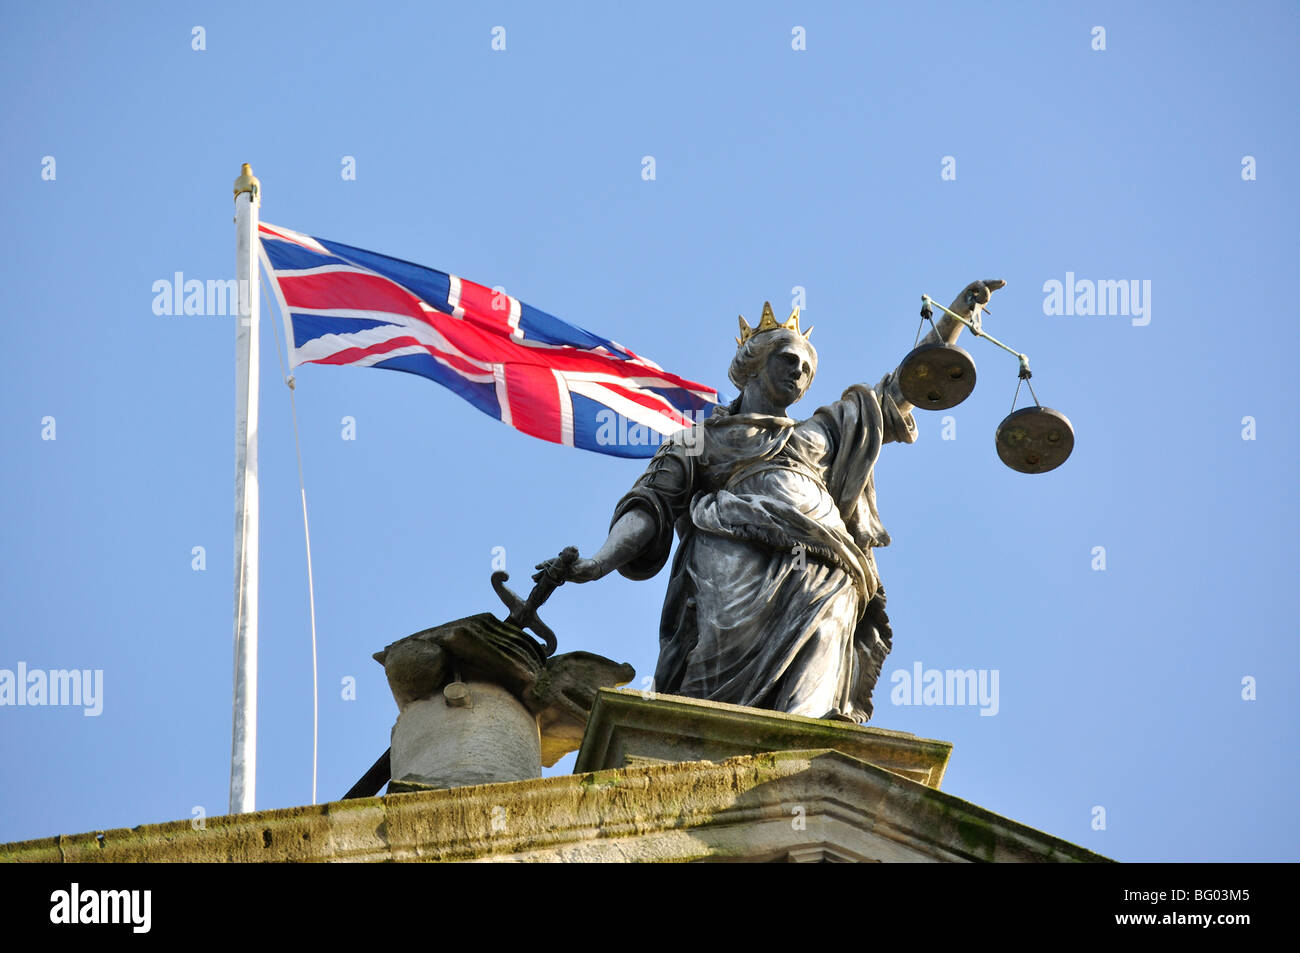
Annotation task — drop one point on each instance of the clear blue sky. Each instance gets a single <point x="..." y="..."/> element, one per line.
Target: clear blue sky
<point x="775" y="168"/>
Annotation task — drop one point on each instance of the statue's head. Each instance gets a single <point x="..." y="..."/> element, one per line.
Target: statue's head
<point x="778" y="356"/>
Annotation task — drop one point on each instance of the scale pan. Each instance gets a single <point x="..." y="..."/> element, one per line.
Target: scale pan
<point x="1035" y="439"/>
<point x="937" y="376"/>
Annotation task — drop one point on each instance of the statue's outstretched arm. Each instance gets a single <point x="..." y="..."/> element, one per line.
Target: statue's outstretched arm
<point x="971" y="299"/>
<point x="628" y="538"/>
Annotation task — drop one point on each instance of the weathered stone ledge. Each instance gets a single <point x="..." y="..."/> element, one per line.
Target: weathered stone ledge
<point x="790" y="805"/>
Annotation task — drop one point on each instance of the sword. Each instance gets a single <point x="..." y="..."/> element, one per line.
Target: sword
<point x="523" y="612"/>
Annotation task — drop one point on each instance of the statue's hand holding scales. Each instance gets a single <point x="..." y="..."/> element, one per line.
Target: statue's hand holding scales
<point x="969" y="303"/>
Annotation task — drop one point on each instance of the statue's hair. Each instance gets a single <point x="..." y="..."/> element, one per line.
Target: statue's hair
<point x="752" y="355"/>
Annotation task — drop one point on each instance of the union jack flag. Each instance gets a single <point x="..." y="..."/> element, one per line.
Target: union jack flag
<point x="526" y="368"/>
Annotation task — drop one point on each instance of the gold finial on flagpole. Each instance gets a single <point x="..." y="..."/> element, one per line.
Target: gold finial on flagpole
<point x="247" y="182"/>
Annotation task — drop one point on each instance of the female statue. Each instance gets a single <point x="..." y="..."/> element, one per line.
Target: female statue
<point x="774" y="600"/>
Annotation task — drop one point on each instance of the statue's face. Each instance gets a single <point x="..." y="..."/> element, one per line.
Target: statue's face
<point x="786" y="375"/>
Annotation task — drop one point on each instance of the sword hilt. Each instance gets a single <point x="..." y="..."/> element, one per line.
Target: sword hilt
<point x="523" y="612"/>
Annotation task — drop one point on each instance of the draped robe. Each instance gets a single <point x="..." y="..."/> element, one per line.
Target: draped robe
<point x="774" y="600"/>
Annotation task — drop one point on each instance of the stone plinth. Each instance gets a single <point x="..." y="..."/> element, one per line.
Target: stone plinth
<point x="485" y="737"/>
<point x="629" y="728"/>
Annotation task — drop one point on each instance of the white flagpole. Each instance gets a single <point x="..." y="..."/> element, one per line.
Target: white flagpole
<point x="243" y="755"/>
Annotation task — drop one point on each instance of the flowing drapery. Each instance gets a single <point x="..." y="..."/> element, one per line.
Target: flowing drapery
<point x="773" y="600"/>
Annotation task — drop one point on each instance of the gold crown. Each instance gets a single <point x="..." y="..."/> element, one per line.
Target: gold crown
<point x="768" y="323"/>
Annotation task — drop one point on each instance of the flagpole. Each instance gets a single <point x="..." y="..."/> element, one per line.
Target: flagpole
<point x="243" y="755"/>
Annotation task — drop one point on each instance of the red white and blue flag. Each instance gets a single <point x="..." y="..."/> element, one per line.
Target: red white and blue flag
<point x="526" y="368"/>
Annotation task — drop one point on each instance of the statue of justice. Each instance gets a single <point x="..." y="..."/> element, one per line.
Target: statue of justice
<point x="774" y="600"/>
